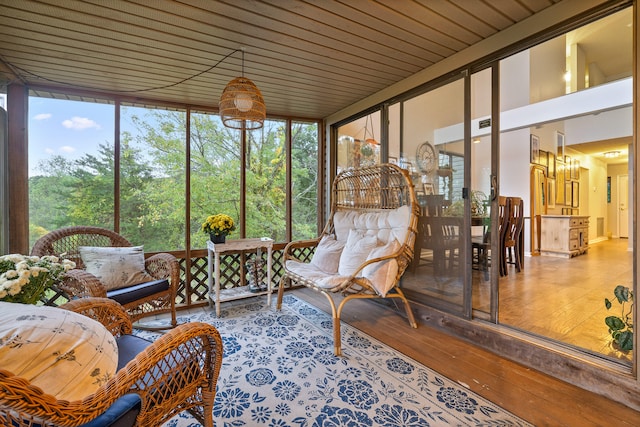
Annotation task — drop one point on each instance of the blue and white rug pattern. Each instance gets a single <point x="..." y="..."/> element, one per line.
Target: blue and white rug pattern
<point x="279" y="370"/>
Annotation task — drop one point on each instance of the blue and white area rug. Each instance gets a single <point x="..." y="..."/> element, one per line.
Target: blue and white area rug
<point x="279" y="370"/>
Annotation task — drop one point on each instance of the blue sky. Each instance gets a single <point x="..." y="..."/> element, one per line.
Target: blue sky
<point x="66" y="128"/>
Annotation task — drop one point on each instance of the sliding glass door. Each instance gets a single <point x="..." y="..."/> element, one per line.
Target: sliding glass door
<point x="565" y="138"/>
<point x="433" y="150"/>
<point x="522" y="173"/>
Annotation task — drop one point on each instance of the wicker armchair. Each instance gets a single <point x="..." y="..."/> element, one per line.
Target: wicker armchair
<point x="177" y="372"/>
<point x="139" y="300"/>
<point x="369" y="199"/>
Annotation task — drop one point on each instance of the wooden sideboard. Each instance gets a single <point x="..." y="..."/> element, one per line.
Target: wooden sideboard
<point x="564" y="235"/>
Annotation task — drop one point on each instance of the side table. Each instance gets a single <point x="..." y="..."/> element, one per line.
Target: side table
<point x="214" y="250"/>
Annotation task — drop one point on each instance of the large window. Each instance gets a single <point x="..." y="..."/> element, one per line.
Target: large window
<point x="152" y="177"/>
<point x="162" y="168"/>
<point x="215" y="160"/>
<point x="71" y="165"/>
<point x="304" y="180"/>
<point x="265" y="165"/>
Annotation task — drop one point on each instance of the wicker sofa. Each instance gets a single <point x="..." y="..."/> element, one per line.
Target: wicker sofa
<point x="366" y="244"/>
<point x="153" y="382"/>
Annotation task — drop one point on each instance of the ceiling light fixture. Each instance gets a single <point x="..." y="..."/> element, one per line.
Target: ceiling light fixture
<point x="611" y="154"/>
<point x="241" y="104"/>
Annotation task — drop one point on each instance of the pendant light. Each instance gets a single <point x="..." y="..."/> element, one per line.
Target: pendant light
<point x="241" y="104"/>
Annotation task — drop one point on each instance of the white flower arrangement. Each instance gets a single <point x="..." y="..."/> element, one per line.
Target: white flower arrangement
<point x="25" y="279"/>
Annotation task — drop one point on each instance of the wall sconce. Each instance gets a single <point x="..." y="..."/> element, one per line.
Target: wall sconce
<point x="611" y="154"/>
<point x="241" y="104"/>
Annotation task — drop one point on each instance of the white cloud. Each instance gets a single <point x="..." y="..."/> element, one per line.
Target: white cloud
<point x="43" y="116"/>
<point x="49" y="151"/>
<point x="67" y="149"/>
<point x="80" y="123"/>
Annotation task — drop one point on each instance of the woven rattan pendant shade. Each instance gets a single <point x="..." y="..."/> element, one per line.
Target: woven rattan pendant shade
<point x="241" y="105"/>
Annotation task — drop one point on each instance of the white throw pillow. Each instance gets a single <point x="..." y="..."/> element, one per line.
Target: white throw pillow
<point x="355" y="251"/>
<point x="66" y="354"/>
<point x="115" y="267"/>
<point x="382" y="274"/>
<point x="327" y="254"/>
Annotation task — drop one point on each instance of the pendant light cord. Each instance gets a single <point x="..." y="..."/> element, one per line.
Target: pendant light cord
<point x="126" y="91"/>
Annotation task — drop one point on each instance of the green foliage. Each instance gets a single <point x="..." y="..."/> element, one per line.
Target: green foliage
<point x="621" y="327"/>
<point x="479" y="205"/>
<point x="153" y="180"/>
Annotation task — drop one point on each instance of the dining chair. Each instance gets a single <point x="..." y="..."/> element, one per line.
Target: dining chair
<point x="511" y="235"/>
<point x="504" y="205"/>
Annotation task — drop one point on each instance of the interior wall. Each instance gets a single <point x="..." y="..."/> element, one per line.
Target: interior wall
<point x="514" y="172"/>
<point x="612" y="208"/>
<point x="596" y="188"/>
<point x="547" y="68"/>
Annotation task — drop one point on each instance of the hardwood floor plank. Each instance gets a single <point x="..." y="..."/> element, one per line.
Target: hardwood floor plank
<point x="532" y="395"/>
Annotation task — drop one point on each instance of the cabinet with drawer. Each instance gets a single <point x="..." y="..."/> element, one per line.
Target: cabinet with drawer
<point x="564" y="235"/>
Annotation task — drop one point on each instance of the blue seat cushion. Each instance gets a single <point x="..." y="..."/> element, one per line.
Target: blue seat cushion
<point x="122" y="413"/>
<point x="129" y="346"/>
<point x="136" y="292"/>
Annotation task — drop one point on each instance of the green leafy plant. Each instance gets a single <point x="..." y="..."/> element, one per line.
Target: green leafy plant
<point x="621" y="327"/>
<point x="479" y="204"/>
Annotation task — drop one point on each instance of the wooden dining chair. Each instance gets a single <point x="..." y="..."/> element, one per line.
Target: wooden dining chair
<point x="516" y="227"/>
<point x="503" y="222"/>
<point x="511" y="234"/>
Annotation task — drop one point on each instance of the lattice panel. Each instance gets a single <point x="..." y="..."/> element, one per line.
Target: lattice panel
<point x="199" y="276"/>
<point x="181" y="291"/>
<point x="304" y="254"/>
<point x="277" y="270"/>
<point x="54" y="297"/>
<point x="230" y="274"/>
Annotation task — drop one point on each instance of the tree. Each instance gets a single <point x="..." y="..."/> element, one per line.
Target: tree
<point x="153" y="181"/>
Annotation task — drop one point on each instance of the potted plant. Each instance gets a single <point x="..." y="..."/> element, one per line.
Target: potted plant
<point x="621" y="327"/>
<point x="479" y="203"/>
<point x="218" y="227"/>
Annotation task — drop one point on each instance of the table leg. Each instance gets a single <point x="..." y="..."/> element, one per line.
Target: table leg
<point x="269" y="289"/>
<point x="210" y="278"/>
<point x="217" y="284"/>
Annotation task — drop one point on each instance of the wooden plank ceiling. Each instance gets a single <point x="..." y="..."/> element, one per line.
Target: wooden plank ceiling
<point x="310" y="58"/>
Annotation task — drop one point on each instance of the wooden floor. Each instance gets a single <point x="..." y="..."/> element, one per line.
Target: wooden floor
<point x="557" y="298"/>
<point x="563" y="299"/>
<point x="531" y="395"/>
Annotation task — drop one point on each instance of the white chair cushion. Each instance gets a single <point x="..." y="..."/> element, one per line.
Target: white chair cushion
<point x="312" y="273"/>
<point x="386" y="224"/>
<point x="327" y="254"/>
<point x="66" y="354"/>
<point x="382" y="275"/>
<point x="115" y="267"/>
<point x="355" y="251"/>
